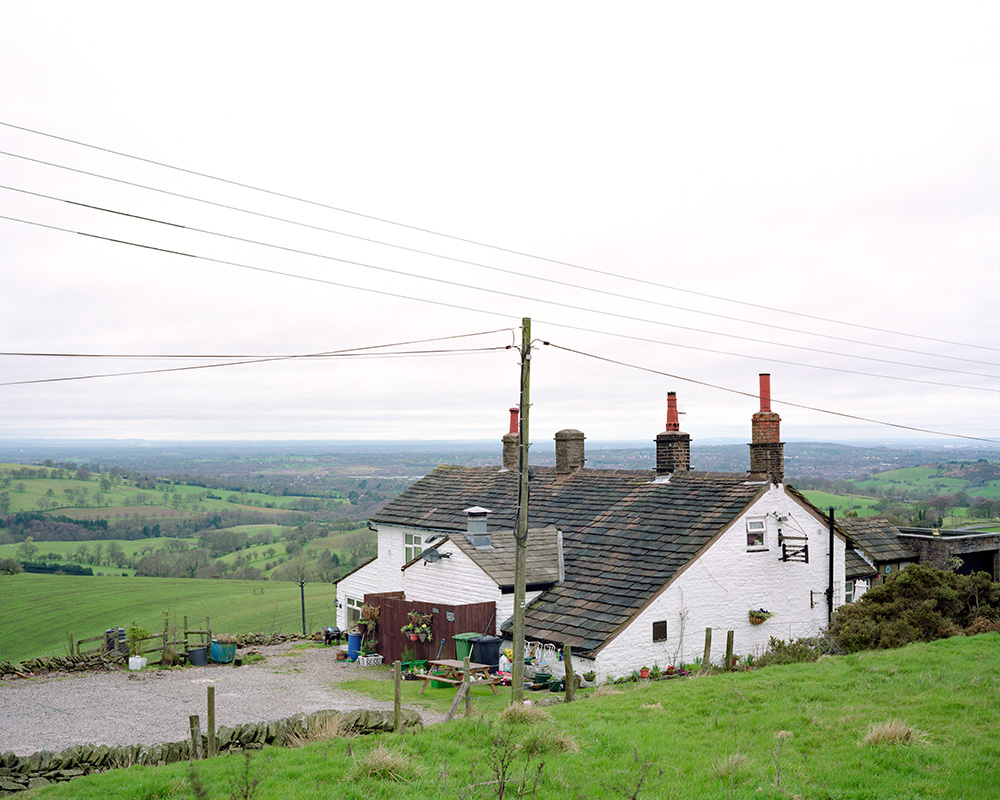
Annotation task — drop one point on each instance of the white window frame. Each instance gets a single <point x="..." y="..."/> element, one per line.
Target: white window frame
<point x="756" y="533"/>
<point x="413" y="546"/>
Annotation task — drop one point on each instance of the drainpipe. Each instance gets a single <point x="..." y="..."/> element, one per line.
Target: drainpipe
<point x="829" y="591"/>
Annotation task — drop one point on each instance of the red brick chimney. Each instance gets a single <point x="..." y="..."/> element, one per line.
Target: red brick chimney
<point x="767" y="451"/>
<point x="673" y="448"/>
<point x="511" y="442"/>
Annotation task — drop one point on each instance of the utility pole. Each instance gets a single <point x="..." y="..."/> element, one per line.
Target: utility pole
<point x="521" y="527"/>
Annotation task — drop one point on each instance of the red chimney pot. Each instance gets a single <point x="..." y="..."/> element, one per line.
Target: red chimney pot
<point x="513" y="419"/>
<point x="765" y="392"/>
<point x="673" y="423"/>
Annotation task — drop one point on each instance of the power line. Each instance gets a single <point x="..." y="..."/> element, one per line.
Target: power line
<point x="477" y="243"/>
<point x="442" y="256"/>
<point x="481" y="310"/>
<point x="773" y="400"/>
<point x="350" y="353"/>
<point x="461" y="285"/>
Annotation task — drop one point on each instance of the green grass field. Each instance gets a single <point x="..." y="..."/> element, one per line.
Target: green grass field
<point x="103" y="498"/>
<point x="926" y="479"/>
<point x="843" y="503"/>
<point x="782" y="732"/>
<point x="38" y="612"/>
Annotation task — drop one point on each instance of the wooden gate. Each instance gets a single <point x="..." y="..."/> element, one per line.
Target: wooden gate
<point x="446" y="621"/>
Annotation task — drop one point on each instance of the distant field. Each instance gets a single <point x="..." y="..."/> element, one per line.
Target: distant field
<point x="37" y="612"/>
<point x="99" y="496"/>
<point x="930" y="479"/>
<point x="843" y="503"/>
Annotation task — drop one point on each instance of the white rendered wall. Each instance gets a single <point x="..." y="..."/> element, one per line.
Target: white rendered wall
<point x="381" y="575"/>
<point x="457" y="580"/>
<point x="719" y="588"/>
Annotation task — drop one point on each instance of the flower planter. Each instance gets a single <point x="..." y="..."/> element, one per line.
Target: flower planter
<point x="374" y="660"/>
<point x="223" y="652"/>
<point x="422" y="637"/>
<point x="414" y="637"/>
<point x="643" y="673"/>
<point x="756" y="621"/>
<point x="198" y="656"/>
<point x="341" y="655"/>
<point x="136" y="662"/>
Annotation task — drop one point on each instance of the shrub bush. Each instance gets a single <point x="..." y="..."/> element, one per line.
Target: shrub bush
<point x="918" y="604"/>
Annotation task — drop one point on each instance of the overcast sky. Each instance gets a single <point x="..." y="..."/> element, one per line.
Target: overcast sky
<point x="709" y="191"/>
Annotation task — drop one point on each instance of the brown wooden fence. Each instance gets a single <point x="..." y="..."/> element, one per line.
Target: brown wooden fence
<point x="446" y="621"/>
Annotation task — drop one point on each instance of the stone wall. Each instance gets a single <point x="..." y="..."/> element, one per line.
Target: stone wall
<point x="19" y="773"/>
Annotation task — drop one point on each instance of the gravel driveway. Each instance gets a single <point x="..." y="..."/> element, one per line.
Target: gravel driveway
<point x="60" y="710"/>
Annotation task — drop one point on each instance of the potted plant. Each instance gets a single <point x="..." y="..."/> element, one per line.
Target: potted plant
<point x="223" y="648"/>
<point x="410" y="630"/>
<point x="424" y="632"/>
<point x="759" y="615"/>
<point x="136" y="646"/>
<point x="590" y="676"/>
<point x="643" y="672"/>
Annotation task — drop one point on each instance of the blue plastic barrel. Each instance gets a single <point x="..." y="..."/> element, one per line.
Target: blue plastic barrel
<point x="353" y="646"/>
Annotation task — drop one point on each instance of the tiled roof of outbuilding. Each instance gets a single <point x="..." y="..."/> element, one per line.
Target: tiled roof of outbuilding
<point x="497" y="561"/>
<point x="625" y="535"/>
<point x="878" y="537"/>
<point x="856" y="568"/>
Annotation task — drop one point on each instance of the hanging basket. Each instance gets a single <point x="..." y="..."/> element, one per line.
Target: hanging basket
<point x="756" y="621"/>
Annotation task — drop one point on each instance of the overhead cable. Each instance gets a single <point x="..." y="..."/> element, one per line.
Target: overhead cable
<point x="461" y="285"/>
<point x="442" y="256"/>
<point x="773" y="400"/>
<point x="477" y="243"/>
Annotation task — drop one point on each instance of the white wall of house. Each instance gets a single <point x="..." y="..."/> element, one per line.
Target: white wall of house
<point x="457" y="580"/>
<point x="718" y="589"/>
<point x="381" y="575"/>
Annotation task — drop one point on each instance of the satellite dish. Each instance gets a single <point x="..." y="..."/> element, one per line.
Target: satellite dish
<point x="430" y="555"/>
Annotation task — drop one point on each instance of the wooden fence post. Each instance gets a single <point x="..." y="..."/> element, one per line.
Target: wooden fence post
<point x="212" y="751"/>
<point x="706" y="660"/>
<point x="195" y="737"/>
<point x="467" y="684"/>
<point x="397" y="708"/>
<point x="570" y="677"/>
<point x="729" y="651"/>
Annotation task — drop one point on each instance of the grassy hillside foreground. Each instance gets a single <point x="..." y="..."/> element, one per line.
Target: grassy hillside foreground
<point x="38" y="611"/>
<point x="797" y="731"/>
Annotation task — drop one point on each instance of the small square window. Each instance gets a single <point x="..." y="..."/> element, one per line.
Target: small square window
<point x="756" y="528"/>
<point x="660" y="631"/>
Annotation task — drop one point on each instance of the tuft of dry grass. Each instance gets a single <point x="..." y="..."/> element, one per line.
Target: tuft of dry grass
<point x="653" y="706"/>
<point x="524" y="715"/>
<point x="545" y="741"/>
<point x="893" y="732"/>
<point x="385" y="764"/>
<point x="727" y="768"/>
<point x="330" y="728"/>
<point x="606" y="689"/>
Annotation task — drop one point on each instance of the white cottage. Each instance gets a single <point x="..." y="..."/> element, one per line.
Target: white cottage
<point x="628" y="567"/>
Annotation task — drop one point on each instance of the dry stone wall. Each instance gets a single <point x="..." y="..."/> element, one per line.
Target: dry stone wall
<point x="20" y="773"/>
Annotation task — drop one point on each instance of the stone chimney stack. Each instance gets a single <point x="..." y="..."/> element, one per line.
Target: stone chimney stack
<point x="569" y="451"/>
<point x="511" y="442"/>
<point x="767" y="451"/>
<point x="673" y="447"/>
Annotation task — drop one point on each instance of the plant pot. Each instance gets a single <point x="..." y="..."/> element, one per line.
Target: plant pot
<point x="198" y="656"/>
<point x="341" y="655"/>
<point x="223" y="652"/>
<point x="414" y="637"/>
<point x="422" y="637"/>
<point x="643" y="673"/>
<point x="756" y="621"/>
<point x="136" y="662"/>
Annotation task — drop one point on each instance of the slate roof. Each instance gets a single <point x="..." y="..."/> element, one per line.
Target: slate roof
<point x="498" y="560"/>
<point x="856" y="568"/>
<point x="878" y="537"/>
<point x="624" y="535"/>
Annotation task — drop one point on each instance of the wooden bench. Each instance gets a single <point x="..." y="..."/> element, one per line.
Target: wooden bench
<point x="425" y="677"/>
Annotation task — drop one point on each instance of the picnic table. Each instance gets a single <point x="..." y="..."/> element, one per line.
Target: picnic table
<point x="451" y="671"/>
